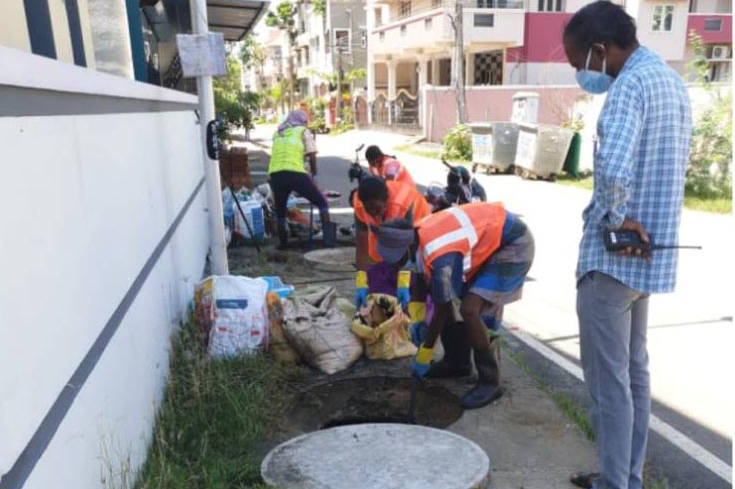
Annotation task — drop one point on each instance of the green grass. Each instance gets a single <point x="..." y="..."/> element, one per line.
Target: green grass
<point x="213" y="416"/>
<point x="569" y="181"/>
<point x="574" y="412"/>
<point x="692" y="202"/>
<point x="426" y="153"/>
<point x="714" y="205"/>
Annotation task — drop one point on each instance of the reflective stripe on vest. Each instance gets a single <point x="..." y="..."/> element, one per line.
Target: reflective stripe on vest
<point x="288" y="151"/>
<point x="473" y="230"/>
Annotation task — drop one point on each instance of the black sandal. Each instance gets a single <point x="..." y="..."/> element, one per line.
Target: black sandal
<point x="584" y="479"/>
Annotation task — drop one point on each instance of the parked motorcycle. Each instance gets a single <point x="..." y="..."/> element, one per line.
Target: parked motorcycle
<point x="356" y="172"/>
<point x="461" y="188"/>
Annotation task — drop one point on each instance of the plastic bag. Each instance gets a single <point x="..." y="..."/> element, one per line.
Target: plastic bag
<point x="232" y="315"/>
<point x="384" y="328"/>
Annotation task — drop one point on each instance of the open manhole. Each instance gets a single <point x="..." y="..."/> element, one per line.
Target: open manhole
<point x="373" y="400"/>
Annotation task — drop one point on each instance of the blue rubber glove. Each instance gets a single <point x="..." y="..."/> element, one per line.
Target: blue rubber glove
<point x="361" y="285"/>
<point x="418" y="332"/>
<point x="402" y="290"/>
<point x="422" y="361"/>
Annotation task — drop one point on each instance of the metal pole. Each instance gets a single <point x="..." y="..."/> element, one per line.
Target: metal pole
<point x="338" y="105"/>
<point x="217" y="244"/>
<point x="459" y="81"/>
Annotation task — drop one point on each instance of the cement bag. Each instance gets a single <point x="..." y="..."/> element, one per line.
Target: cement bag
<point x="320" y="332"/>
<point x="384" y="328"/>
<point x="278" y="345"/>
<point x="232" y="313"/>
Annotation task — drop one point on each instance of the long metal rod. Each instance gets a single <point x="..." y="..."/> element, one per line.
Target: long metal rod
<point x="412" y="401"/>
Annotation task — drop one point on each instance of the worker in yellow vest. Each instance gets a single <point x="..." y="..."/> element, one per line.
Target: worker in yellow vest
<point x="292" y="144"/>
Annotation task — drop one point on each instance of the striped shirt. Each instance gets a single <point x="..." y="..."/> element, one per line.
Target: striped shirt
<point x="644" y="129"/>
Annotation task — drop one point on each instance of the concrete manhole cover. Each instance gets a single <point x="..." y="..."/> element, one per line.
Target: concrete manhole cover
<point x="377" y="456"/>
<point x="332" y="259"/>
<point x="372" y="400"/>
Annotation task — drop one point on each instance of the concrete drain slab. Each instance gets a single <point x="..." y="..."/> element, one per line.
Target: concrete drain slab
<point x="332" y="259"/>
<point x="377" y="456"/>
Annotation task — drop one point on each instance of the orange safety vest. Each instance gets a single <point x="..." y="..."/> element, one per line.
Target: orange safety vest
<point x="471" y="229"/>
<point x="401" y="199"/>
<point x="401" y="176"/>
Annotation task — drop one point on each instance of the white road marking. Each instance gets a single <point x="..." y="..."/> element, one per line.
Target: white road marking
<point x="678" y="439"/>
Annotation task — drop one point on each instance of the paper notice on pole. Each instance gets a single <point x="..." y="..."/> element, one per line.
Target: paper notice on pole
<point x="202" y="54"/>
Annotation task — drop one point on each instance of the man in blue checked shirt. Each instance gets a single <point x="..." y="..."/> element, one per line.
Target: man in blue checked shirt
<point x="644" y="131"/>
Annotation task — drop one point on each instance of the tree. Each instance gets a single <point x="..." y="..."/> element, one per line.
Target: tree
<point x="231" y="105"/>
<point x="284" y="19"/>
<point x="698" y="67"/>
<point x="319" y="6"/>
<point x="253" y="57"/>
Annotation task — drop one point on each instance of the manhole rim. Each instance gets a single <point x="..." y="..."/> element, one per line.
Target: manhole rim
<point x="481" y="480"/>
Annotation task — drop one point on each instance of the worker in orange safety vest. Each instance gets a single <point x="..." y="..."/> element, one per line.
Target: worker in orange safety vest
<point x="386" y="167"/>
<point x="474" y="259"/>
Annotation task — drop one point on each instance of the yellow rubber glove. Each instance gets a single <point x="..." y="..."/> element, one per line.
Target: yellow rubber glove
<point x="361" y="285"/>
<point x="403" y="293"/>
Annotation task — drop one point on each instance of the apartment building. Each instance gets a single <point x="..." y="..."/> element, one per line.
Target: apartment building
<point x="515" y="42"/>
<point x="329" y="36"/>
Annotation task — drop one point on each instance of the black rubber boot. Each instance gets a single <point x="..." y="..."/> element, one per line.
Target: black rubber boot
<point x="329" y="231"/>
<point x="456" y="361"/>
<point x="282" y="237"/>
<point x="487" y="362"/>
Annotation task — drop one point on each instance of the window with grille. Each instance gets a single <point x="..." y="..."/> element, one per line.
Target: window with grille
<point x="663" y="18"/>
<point x="550" y="6"/>
<point x="484" y="20"/>
<point x="404" y="9"/>
<point x="713" y="25"/>
<point x="342" y="39"/>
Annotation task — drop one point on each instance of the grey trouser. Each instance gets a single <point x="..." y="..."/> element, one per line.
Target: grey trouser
<point x="613" y="319"/>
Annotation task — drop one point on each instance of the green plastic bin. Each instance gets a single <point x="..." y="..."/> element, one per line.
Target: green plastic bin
<point x="571" y="163"/>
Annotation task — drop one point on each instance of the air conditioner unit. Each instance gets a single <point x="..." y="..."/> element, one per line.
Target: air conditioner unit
<point x="720" y="52"/>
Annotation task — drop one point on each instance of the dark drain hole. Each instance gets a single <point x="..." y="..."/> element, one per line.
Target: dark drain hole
<point x="364" y="400"/>
<point x="346" y="421"/>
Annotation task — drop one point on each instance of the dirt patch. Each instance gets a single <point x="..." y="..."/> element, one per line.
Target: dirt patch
<point x="372" y="400"/>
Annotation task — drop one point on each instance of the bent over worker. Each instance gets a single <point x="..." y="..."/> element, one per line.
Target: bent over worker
<point x="474" y="257"/>
<point x="378" y="201"/>
<point x="292" y="143"/>
<point x="386" y="167"/>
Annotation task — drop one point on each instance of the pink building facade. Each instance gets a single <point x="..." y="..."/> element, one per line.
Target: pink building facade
<point x="515" y="42"/>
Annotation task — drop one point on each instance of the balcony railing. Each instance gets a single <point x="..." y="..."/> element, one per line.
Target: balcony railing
<point x="440" y="4"/>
